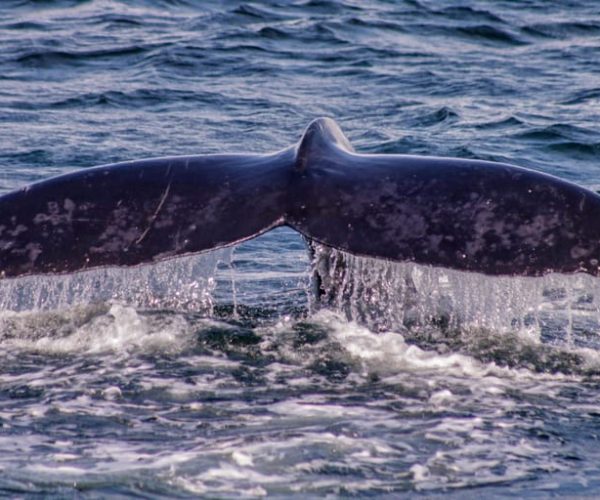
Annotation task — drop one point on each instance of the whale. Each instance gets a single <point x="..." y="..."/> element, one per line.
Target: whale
<point x="464" y="214"/>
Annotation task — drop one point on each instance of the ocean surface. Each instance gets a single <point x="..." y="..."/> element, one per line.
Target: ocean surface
<point x="218" y="375"/>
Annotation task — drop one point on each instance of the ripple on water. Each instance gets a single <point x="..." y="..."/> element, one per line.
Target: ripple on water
<point x="415" y="381"/>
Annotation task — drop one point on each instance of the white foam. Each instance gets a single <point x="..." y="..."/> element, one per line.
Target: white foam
<point x="120" y="329"/>
<point x="440" y="398"/>
<point x="420" y="472"/>
<point x="387" y="353"/>
<point x="112" y="393"/>
<point x="57" y="470"/>
<point x="242" y="459"/>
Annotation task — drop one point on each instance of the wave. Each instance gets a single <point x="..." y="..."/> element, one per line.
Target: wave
<point x="46" y="58"/>
<point x="443" y="114"/>
<point x="503" y="123"/>
<point x="487" y="32"/>
<point x="583" y="96"/>
<point x="573" y="149"/>
<point x="144" y="97"/>
<point x="556" y="131"/>
<point x="563" y="29"/>
<point x="467" y="14"/>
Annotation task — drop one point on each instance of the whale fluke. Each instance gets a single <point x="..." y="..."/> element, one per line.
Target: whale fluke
<point x="141" y="211"/>
<point x="470" y="215"/>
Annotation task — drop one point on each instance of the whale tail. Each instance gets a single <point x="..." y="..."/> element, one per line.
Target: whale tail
<point x="464" y="214"/>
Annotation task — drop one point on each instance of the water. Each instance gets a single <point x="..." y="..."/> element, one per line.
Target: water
<point x="216" y="375"/>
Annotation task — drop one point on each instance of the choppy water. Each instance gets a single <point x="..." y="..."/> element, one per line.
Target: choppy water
<point x="216" y="376"/>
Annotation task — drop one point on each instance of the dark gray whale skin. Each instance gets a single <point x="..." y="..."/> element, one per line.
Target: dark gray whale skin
<point x="469" y="215"/>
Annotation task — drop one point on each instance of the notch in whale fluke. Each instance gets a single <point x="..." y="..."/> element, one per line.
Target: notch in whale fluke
<point x="463" y="214"/>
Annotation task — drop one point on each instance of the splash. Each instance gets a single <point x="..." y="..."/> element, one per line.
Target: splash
<point x="179" y="284"/>
<point x="557" y="309"/>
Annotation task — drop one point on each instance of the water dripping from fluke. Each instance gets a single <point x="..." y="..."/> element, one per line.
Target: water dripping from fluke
<point x="183" y="284"/>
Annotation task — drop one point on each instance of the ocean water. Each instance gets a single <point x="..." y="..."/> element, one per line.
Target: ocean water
<point x="218" y="375"/>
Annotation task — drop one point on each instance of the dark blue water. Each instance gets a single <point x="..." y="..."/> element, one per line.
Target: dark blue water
<point x="217" y="376"/>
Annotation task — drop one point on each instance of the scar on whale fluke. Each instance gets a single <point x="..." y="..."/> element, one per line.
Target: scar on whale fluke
<point x="469" y="215"/>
